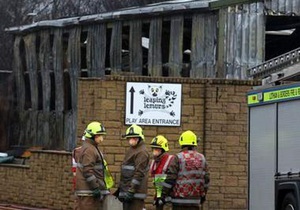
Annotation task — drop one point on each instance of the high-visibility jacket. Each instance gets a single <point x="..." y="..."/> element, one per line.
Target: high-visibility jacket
<point x="158" y="169"/>
<point x="187" y="178"/>
<point x="108" y="178"/>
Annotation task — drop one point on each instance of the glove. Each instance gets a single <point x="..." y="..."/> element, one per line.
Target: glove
<point x="203" y="199"/>
<point x="128" y="196"/>
<point x="160" y="201"/>
<point x="116" y="193"/>
<point x="96" y="193"/>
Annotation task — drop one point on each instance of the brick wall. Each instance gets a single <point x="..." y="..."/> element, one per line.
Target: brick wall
<point x="215" y="110"/>
<point x="45" y="181"/>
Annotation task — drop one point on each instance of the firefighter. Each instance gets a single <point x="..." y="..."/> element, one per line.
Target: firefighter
<point x="187" y="176"/>
<point x="158" y="166"/>
<point x="132" y="189"/>
<point x="90" y="184"/>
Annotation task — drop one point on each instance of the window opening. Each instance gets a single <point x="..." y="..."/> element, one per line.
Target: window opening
<point x="125" y="49"/>
<point x="282" y="35"/>
<point x="145" y="46"/>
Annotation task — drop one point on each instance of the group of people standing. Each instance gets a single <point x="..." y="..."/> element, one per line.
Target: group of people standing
<point x="181" y="179"/>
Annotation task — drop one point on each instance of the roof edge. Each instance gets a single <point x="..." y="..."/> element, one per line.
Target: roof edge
<point x="226" y="3"/>
<point x="152" y="9"/>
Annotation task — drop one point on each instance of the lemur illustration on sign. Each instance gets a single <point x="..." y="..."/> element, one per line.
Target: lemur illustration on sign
<point x="155" y="98"/>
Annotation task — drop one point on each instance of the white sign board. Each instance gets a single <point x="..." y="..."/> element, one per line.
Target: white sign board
<point x="156" y="104"/>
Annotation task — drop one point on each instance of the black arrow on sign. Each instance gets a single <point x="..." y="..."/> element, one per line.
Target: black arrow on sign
<point x="131" y="99"/>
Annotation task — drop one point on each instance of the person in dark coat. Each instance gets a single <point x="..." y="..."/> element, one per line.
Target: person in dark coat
<point x="90" y="186"/>
<point x="133" y="185"/>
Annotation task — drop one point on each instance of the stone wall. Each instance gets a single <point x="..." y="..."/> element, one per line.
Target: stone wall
<point x="216" y="110"/>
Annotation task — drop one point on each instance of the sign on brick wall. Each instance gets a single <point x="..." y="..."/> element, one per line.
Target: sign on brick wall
<point x="156" y="104"/>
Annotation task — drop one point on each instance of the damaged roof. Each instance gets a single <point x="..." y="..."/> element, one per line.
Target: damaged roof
<point x="148" y="10"/>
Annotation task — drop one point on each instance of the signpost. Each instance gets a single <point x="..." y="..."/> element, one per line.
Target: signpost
<point x="156" y="104"/>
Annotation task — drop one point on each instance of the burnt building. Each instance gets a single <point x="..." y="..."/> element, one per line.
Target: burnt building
<point x="193" y="39"/>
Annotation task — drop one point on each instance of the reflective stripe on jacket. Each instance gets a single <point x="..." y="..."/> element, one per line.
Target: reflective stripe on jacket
<point x="187" y="178"/>
<point x="90" y="192"/>
<point x="90" y="170"/>
<point x="134" y="171"/>
<point x="190" y="180"/>
<point x="158" y="169"/>
<point x="160" y="166"/>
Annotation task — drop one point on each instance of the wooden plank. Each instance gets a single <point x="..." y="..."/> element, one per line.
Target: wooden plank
<point x="52" y="144"/>
<point x="17" y="133"/>
<point x="176" y="45"/>
<point x="18" y="74"/>
<point x="6" y="107"/>
<point x="43" y="131"/>
<point x="28" y="125"/>
<point x="96" y="50"/>
<point x="116" y="48"/>
<point x="58" y="69"/>
<point x="14" y="132"/>
<point x="25" y="120"/>
<point x="32" y="125"/>
<point x="197" y="46"/>
<point x="45" y="62"/>
<point x="70" y="119"/>
<point x="45" y="65"/>
<point x="31" y="64"/>
<point x="135" y="47"/>
<point x="56" y="117"/>
<point x="74" y="58"/>
<point x="154" y="54"/>
<point x="20" y="124"/>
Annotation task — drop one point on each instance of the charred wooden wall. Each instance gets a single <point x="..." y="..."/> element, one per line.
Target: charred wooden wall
<point x="49" y="60"/>
<point x="6" y="101"/>
<point x="46" y="90"/>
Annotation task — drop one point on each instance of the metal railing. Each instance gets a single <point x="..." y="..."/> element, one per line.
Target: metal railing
<point x="273" y="65"/>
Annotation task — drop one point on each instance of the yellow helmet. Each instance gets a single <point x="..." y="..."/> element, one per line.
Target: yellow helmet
<point x="134" y="131"/>
<point x="94" y="128"/>
<point x="188" y="138"/>
<point x="160" y="142"/>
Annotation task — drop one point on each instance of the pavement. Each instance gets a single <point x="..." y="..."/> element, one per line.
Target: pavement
<point x="110" y="203"/>
<point x="18" y="207"/>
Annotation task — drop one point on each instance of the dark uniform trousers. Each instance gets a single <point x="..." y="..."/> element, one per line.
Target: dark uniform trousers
<point x="88" y="203"/>
<point x="135" y="204"/>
